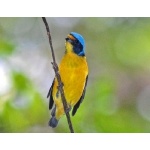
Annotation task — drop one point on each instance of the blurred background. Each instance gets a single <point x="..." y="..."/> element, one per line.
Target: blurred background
<point x="118" y="92"/>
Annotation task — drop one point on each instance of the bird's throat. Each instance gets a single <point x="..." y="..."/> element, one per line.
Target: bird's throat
<point x="69" y="47"/>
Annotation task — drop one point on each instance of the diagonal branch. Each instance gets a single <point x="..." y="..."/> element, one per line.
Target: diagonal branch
<point x="60" y="84"/>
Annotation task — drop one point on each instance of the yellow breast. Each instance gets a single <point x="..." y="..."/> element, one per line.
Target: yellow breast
<point x="73" y="71"/>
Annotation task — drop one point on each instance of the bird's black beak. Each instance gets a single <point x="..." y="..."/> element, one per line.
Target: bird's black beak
<point x="66" y="39"/>
<point x="69" y="40"/>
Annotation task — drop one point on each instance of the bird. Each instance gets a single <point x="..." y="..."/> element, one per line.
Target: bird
<point x="73" y="70"/>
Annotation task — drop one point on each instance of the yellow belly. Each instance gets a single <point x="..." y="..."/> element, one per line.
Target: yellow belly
<point x="73" y="71"/>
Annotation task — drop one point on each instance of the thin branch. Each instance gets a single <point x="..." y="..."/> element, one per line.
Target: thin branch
<point x="60" y="84"/>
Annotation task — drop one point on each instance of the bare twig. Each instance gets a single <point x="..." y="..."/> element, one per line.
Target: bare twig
<point x="60" y="84"/>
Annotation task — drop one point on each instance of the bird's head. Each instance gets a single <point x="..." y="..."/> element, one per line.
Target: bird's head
<point x="75" y="43"/>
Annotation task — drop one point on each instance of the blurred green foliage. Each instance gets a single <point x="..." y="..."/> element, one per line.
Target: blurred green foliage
<point x="6" y="48"/>
<point x="118" y="52"/>
<point x="17" y="115"/>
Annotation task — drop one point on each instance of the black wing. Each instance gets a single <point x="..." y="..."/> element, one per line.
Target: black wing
<point x="51" y="101"/>
<point x="80" y="100"/>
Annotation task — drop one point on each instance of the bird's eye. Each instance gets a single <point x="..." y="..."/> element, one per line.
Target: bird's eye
<point x="76" y="41"/>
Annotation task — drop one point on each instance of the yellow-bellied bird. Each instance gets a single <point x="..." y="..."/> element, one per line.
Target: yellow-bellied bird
<point x="73" y="70"/>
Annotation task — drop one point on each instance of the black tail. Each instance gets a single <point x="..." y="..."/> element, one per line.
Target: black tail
<point x="53" y="122"/>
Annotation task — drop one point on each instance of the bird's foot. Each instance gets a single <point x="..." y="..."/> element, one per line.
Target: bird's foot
<point x="60" y="85"/>
<point x="68" y="109"/>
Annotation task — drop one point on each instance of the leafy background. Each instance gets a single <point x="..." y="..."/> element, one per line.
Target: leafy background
<point x="118" y="91"/>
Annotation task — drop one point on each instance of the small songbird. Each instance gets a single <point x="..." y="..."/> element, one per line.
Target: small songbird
<point x="73" y="70"/>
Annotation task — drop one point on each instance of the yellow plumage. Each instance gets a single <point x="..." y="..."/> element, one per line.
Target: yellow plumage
<point x="73" y="71"/>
